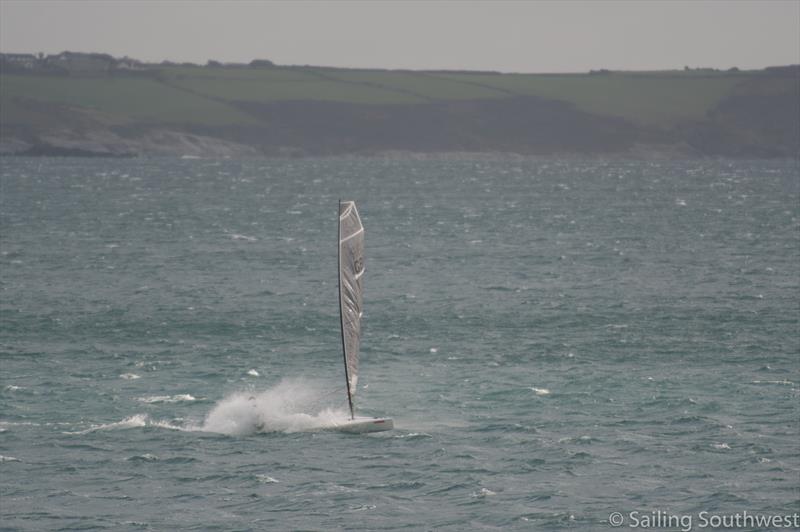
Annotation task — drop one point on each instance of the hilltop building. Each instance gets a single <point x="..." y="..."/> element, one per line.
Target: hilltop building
<point x="19" y="61"/>
<point x="81" y="63"/>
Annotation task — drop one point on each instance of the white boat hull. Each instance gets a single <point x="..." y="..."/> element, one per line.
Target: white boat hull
<point x="361" y="425"/>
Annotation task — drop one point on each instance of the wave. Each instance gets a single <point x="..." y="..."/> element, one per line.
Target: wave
<point x="183" y="397"/>
<point x="131" y="422"/>
<point x="244" y="237"/>
<point x="138" y="420"/>
<point x="414" y="435"/>
<point x="783" y="382"/>
<point x="147" y="457"/>
<point x="483" y="492"/>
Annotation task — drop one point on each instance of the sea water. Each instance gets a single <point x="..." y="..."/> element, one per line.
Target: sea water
<point x="557" y="340"/>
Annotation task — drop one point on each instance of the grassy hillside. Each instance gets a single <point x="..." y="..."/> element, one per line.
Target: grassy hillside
<point x="651" y="105"/>
<point x="206" y="95"/>
<point x="120" y="100"/>
<point x="657" y="100"/>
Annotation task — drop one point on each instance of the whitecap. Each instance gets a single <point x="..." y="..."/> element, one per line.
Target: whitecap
<point x="18" y="424"/>
<point x="162" y="424"/>
<point x="720" y="446"/>
<point x="8" y="459"/>
<point x="540" y="391"/>
<point x="135" y="421"/>
<point x="138" y="420"/>
<point x="253" y="373"/>
<point x="147" y="457"/>
<point x="167" y="398"/>
<point x="129" y="376"/>
<point x="414" y="435"/>
<point x="266" y="479"/>
<point x="363" y="507"/>
<point x="483" y="492"/>
<point x="244" y="237"/>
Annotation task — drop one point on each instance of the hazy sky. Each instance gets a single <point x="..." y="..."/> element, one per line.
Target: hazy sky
<point x="511" y="36"/>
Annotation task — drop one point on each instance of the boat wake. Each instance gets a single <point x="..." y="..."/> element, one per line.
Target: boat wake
<point x="131" y="422"/>
<point x="292" y="405"/>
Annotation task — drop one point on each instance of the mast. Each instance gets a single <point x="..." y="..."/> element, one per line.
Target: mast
<point x="341" y="308"/>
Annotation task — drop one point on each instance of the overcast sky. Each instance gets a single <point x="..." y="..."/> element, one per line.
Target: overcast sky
<point x="516" y="36"/>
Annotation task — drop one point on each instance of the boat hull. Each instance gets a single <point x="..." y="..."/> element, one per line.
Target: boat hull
<point x="361" y="425"/>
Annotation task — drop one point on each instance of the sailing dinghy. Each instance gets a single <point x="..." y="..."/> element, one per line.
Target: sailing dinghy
<point x="351" y="270"/>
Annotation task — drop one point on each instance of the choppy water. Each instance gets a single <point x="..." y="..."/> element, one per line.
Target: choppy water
<point x="555" y="340"/>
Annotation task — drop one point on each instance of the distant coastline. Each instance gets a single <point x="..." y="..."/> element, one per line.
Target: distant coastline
<point x="74" y="104"/>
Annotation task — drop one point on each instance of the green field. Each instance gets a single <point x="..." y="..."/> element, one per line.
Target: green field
<point x="420" y="84"/>
<point x="117" y="100"/>
<point x="660" y="101"/>
<point x="209" y="96"/>
<point x="264" y="91"/>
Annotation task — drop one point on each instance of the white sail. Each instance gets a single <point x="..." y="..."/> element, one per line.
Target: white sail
<point x="351" y="270"/>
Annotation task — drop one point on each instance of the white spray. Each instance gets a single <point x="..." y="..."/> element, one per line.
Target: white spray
<point x="293" y="405"/>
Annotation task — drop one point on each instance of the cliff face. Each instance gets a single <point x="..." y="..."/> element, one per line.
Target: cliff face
<point x="750" y="125"/>
<point x="756" y="115"/>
